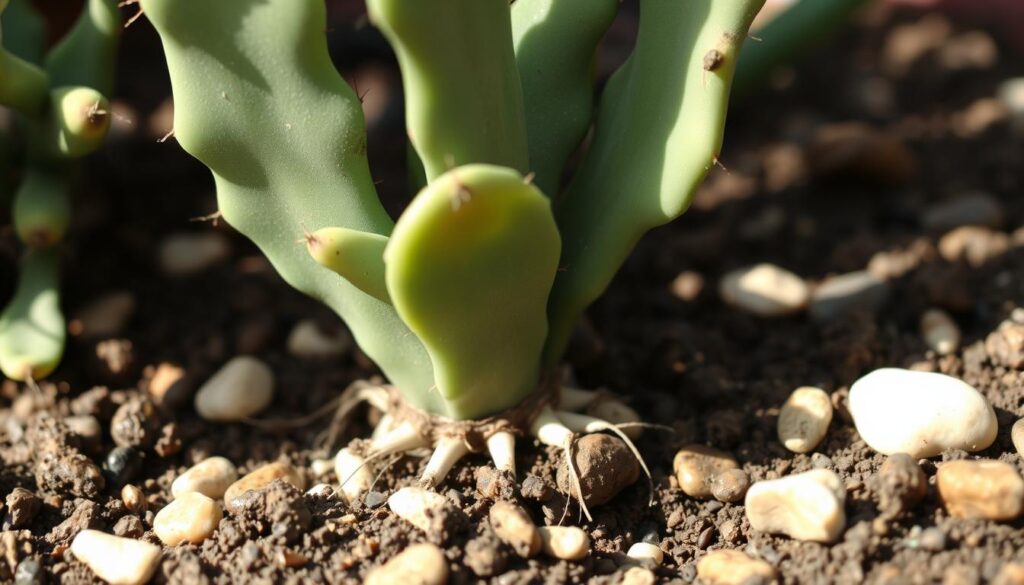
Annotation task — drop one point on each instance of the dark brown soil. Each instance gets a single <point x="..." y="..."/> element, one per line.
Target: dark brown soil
<point x="660" y="337"/>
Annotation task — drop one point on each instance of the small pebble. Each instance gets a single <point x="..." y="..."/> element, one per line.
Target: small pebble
<point x="920" y="413"/>
<point x="210" y="477"/>
<point x="129" y="526"/>
<point x="765" y="290"/>
<point x="515" y="528"/>
<point x="730" y="485"/>
<point x="973" y="244"/>
<point x="260" y="478"/>
<point x="940" y="332"/>
<point x="638" y="576"/>
<point x="985" y="489"/>
<point x="353" y="474"/>
<point x="1010" y="574"/>
<point x="696" y="466"/>
<point x="932" y="539"/>
<point x="22" y="507"/>
<point x="804" y="419"/>
<point x="122" y="464"/>
<point x="321" y="467"/>
<point x="643" y="551"/>
<point x="192" y="517"/>
<point x="418" y="564"/>
<point x="417" y="506"/>
<point x="191" y="253"/>
<point x="732" y="567"/>
<point x="900" y="484"/>
<point x="116" y="560"/>
<point x="1011" y="93"/>
<point x="86" y="427"/>
<point x="1017" y="436"/>
<point x="133" y="499"/>
<point x="308" y="341"/>
<point x="806" y="506"/>
<point x="323" y="491"/>
<point x="28" y="572"/>
<point x="168" y="387"/>
<point x="105" y="316"/>
<point x="241" y="388"/>
<point x="841" y="295"/>
<point x="605" y="467"/>
<point x="568" y="543"/>
<point x="1005" y="345"/>
<point x="979" y="209"/>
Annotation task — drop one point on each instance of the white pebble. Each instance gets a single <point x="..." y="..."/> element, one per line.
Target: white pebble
<point x="116" y="560"/>
<point x="321" y="490"/>
<point x="188" y="254"/>
<point x="765" y="290"/>
<point x="805" y="506"/>
<point x="416" y="506"/>
<point x="418" y="564"/>
<point x="643" y="551"/>
<point x="308" y="341"/>
<point x="210" y="477"/>
<point x="940" y="332"/>
<point x="568" y="543"/>
<point x="804" y="419"/>
<point x="353" y="473"/>
<point x="192" y="517"/>
<point x="241" y="388"/>
<point x="920" y="413"/>
<point x="321" y="467"/>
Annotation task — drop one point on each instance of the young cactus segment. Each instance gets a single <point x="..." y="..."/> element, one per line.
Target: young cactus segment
<point x="78" y="122"/>
<point x="555" y="43"/>
<point x="85" y="56"/>
<point x="259" y="102"/>
<point x="356" y="256"/>
<point x="666" y="108"/>
<point x="42" y="208"/>
<point x="463" y="99"/>
<point x="23" y="86"/>
<point x="24" y="31"/>
<point x="469" y="268"/>
<point x="32" y="325"/>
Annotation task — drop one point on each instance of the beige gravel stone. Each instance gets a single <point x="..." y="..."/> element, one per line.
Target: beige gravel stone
<point x="940" y="332"/>
<point x="241" y="388"/>
<point x="638" y="576"/>
<point x="515" y="528"/>
<point x="187" y="254"/>
<point x="643" y="551"/>
<point x="418" y="564"/>
<point x="417" y="506"/>
<point x="765" y="290"/>
<point x="259" y="478"/>
<point x="732" y="567"/>
<point x="804" y="419"/>
<point x="696" y="466"/>
<point x="192" y="517"/>
<point x="308" y="341"/>
<point x="1017" y="436"/>
<point x="985" y="489"/>
<point x="806" y="506"/>
<point x="568" y="543"/>
<point x="210" y="477"/>
<point x="116" y="560"/>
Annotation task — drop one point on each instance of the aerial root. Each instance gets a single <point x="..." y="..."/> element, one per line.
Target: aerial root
<point x="552" y="432"/>
<point x="502" y="447"/>
<point x="447" y="453"/>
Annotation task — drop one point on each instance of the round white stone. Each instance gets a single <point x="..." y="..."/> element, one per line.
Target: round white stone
<point x="765" y="290"/>
<point x="805" y="506"/>
<point x="416" y="506"/>
<point x="116" y="560"/>
<point x="643" y="551"/>
<point x="308" y="341"/>
<point x="804" y="419"/>
<point x="920" y="413"/>
<point x="192" y="518"/>
<point x="940" y="332"/>
<point x="568" y="543"/>
<point x="210" y="477"/>
<point x="241" y="388"/>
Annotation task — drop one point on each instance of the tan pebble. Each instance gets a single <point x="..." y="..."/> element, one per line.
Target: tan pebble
<point x="418" y="564"/>
<point x="417" y="506"/>
<point x="940" y="332"/>
<point x="133" y="499"/>
<point x="168" y="386"/>
<point x="192" y="517"/>
<point x="730" y="485"/>
<point x="116" y="560"/>
<point x="687" y="286"/>
<point x="1010" y="574"/>
<point x="241" y="388"/>
<point x="643" y="551"/>
<point x="210" y="477"/>
<point x="696" y="465"/>
<point x="107" y="315"/>
<point x="1017" y="436"/>
<point x="804" y="419"/>
<point x="805" y="506"/>
<point x="515" y="528"/>
<point x="765" y="290"/>
<point x="353" y="473"/>
<point x="188" y="254"/>
<point x="985" y="489"/>
<point x="321" y="467"/>
<point x="85" y="426"/>
<point x="260" y="478"/>
<point x="732" y="567"/>
<point x="308" y="341"/>
<point x="977" y="245"/>
<point x="638" y="576"/>
<point x="568" y="543"/>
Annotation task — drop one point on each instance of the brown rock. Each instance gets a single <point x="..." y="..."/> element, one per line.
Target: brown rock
<point x="985" y="489"/>
<point x="22" y="507"/>
<point x="732" y="567"/>
<point x="259" y="478"/>
<point x="605" y="466"/>
<point x="696" y="466"/>
<point x="900" y="484"/>
<point x="730" y="485"/>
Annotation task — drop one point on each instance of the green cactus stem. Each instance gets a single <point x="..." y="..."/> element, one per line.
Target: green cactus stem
<point x="32" y="325"/>
<point x="42" y="208"/>
<point x="356" y="256"/>
<point x="85" y="56"/>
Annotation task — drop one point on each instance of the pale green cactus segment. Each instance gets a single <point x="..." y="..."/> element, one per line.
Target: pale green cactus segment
<point x="469" y="268"/>
<point x="463" y="98"/>
<point x="42" y="208"/>
<point x="85" y="55"/>
<point x="32" y="331"/>
<point x="24" y="31"/>
<point x="76" y="125"/>
<point x="258" y="101"/>
<point x="23" y="86"/>
<point x="356" y="256"/>
<point x="555" y="44"/>
<point x="658" y="131"/>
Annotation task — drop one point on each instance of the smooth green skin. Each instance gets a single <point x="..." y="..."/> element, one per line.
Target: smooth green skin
<point x="469" y="268"/>
<point x="23" y="86"/>
<point x="463" y="101"/>
<point x="85" y="56"/>
<point x="555" y="44"/>
<point x="786" y="38"/>
<point x="356" y="256"/>
<point x="258" y="101"/>
<point x="42" y="208"/>
<point x="659" y="128"/>
<point x="76" y="125"/>
<point x="23" y="31"/>
<point x="32" y="326"/>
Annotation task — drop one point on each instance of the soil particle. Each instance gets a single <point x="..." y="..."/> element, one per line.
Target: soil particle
<point x="900" y="485"/>
<point x="605" y="466"/>
<point x="486" y="556"/>
<point x="95" y="402"/>
<point x="136" y="424"/>
<point x="1005" y="345"/>
<point x="59" y="467"/>
<point x="493" y="484"/>
<point x="114" y="360"/>
<point x="129" y="526"/>
<point x="22" y="507"/>
<point x="85" y="514"/>
<point x="277" y="510"/>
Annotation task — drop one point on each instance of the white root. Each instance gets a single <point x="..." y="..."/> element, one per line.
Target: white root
<point x="575" y="398"/>
<point x="404" y="437"/>
<point x="502" y="447"/>
<point x="552" y="432"/>
<point x="582" y="423"/>
<point x="617" y="412"/>
<point x="385" y="425"/>
<point x="355" y="477"/>
<point x="447" y="452"/>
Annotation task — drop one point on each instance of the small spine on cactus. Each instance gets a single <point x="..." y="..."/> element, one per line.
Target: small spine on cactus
<point x="356" y="256"/>
<point x="78" y="122"/>
<point x="42" y="208"/>
<point x="32" y="331"/>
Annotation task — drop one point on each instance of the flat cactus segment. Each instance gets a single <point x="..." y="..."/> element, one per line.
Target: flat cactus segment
<point x="469" y="268"/>
<point x="463" y="98"/>
<point x="42" y="208"/>
<point x="32" y="328"/>
<point x="555" y="43"/>
<point x="86" y="55"/>
<point x="258" y="101"/>
<point x="356" y="256"/>
<point x="658" y="132"/>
